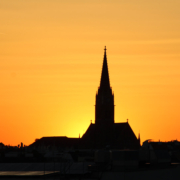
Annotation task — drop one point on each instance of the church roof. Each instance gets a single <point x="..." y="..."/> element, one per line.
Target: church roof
<point x="119" y="135"/>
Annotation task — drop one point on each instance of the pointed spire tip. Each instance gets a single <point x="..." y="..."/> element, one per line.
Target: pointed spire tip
<point x="105" y="49"/>
<point x="105" y="75"/>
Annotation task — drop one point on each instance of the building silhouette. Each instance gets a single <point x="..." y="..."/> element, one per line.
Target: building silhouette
<point x="105" y="132"/>
<point x="104" y="108"/>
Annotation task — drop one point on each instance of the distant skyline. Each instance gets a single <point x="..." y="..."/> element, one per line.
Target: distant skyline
<point x="51" y="55"/>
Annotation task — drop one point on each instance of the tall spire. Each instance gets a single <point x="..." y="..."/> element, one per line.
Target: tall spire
<point x="105" y="75"/>
<point x="104" y="109"/>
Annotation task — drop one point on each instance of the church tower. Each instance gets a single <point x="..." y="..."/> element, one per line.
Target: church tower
<point x="104" y="108"/>
<point x="105" y="132"/>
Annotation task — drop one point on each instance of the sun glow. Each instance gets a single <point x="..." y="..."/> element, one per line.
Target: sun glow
<point x="51" y="60"/>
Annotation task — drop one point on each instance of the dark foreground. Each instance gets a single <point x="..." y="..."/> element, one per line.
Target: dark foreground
<point x="76" y="173"/>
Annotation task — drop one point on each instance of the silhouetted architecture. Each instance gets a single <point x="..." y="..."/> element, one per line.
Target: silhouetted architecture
<point x="104" y="108"/>
<point x="57" y="141"/>
<point x="105" y="132"/>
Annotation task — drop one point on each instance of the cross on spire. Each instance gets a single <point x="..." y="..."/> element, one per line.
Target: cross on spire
<point x="105" y="49"/>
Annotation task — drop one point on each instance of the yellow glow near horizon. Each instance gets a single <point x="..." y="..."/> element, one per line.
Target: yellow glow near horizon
<point x="51" y="55"/>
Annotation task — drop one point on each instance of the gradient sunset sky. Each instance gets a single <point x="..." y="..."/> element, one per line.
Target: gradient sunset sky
<point x="51" y="54"/>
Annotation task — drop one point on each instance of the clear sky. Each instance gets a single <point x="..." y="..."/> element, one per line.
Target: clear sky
<point x="51" y="54"/>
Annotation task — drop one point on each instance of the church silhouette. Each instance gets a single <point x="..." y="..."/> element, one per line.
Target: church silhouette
<point x="105" y="132"/>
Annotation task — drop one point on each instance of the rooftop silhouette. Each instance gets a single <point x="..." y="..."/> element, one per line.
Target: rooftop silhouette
<point x="105" y="132"/>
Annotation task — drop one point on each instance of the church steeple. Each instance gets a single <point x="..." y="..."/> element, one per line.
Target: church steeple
<point x="104" y="109"/>
<point x="104" y="83"/>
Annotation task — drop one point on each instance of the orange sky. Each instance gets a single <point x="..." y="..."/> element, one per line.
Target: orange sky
<point x="51" y="54"/>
